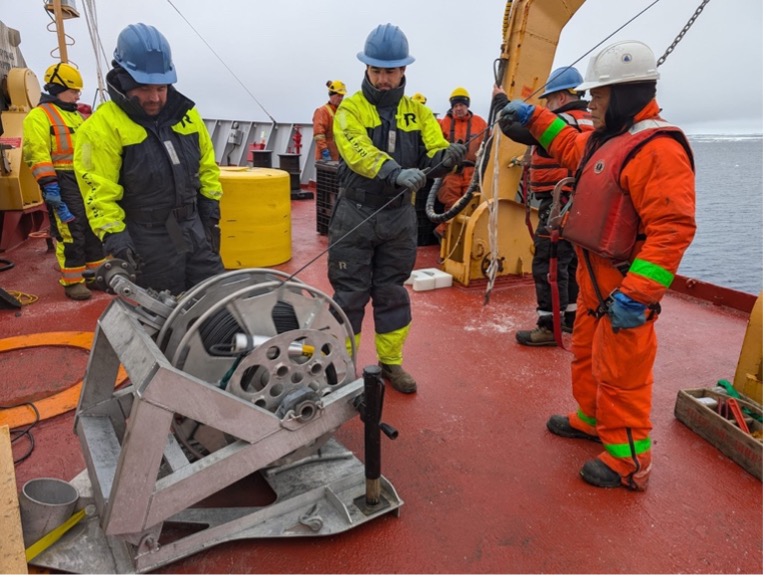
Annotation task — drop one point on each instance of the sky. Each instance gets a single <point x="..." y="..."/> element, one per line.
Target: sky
<point x="237" y="58"/>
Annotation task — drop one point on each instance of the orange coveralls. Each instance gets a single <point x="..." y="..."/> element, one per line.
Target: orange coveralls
<point x="454" y="129"/>
<point x="612" y="372"/>
<point x="323" y="136"/>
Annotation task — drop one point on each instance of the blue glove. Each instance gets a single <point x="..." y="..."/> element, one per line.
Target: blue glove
<point x="62" y="211"/>
<point x="120" y="245"/>
<point x="52" y="194"/>
<point x="517" y="111"/>
<point x="454" y="154"/>
<point x="411" y="178"/>
<point x="625" y="313"/>
<point x="326" y="155"/>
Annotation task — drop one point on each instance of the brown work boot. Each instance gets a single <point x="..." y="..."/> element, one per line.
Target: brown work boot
<point x="537" y="337"/>
<point x="77" y="292"/>
<point x="400" y="379"/>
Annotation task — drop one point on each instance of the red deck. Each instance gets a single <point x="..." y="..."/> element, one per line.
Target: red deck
<point x="486" y="488"/>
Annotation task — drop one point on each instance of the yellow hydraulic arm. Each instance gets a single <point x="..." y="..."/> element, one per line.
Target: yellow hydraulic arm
<point x="531" y="30"/>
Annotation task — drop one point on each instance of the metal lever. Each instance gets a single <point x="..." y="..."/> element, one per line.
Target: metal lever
<point x="371" y="408"/>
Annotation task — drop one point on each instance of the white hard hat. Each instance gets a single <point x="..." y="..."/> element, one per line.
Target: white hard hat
<point x="628" y="61"/>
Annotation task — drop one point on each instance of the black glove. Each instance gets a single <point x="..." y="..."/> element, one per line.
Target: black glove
<point x="454" y="155"/>
<point x="120" y="245"/>
<point x="210" y="215"/>
<point x="208" y="209"/>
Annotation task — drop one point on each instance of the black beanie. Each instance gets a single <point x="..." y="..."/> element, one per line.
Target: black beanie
<point x="460" y="99"/>
<point x="54" y="89"/>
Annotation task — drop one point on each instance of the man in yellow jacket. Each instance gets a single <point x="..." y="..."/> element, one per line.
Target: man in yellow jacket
<point x="386" y="143"/>
<point x="146" y="167"/>
<point x="50" y="137"/>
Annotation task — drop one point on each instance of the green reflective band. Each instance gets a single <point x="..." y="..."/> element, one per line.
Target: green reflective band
<point x="652" y="271"/>
<point x="551" y="132"/>
<point x="622" y="451"/>
<point x="585" y="418"/>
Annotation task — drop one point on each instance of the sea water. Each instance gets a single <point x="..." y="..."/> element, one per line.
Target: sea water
<point x="728" y="247"/>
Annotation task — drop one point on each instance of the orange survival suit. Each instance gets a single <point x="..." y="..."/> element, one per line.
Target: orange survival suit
<point x="454" y="129"/>
<point x="612" y="371"/>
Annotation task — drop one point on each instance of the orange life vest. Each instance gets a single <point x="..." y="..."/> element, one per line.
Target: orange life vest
<point x="602" y="218"/>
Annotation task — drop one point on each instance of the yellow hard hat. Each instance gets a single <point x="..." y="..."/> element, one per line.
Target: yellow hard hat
<point x="418" y="97"/>
<point x="64" y="75"/>
<point x="460" y="94"/>
<point x="336" y="86"/>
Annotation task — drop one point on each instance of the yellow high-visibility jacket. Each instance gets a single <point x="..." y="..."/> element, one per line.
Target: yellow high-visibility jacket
<point x="131" y="163"/>
<point x="50" y="135"/>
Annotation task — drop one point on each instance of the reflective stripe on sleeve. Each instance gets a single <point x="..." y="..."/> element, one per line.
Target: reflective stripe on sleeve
<point x="551" y="132"/>
<point x="651" y="271"/>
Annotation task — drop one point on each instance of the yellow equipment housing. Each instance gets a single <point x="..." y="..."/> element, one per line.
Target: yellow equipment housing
<point x="531" y="30"/>
<point x="18" y="188"/>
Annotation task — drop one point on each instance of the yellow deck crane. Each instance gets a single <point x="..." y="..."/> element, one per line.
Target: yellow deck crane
<point x="531" y="30"/>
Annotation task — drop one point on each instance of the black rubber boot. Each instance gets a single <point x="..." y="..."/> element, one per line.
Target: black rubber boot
<point x="596" y="473"/>
<point x="569" y="319"/>
<point x="559" y="425"/>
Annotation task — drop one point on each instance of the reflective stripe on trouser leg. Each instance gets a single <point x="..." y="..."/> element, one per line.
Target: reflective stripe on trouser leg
<point x="390" y="346"/>
<point x="71" y="276"/>
<point x="94" y="265"/>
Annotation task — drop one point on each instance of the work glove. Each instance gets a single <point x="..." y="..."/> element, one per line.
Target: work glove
<point x="454" y="155"/>
<point x="516" y="111"/>
<point x="210" y="215"/>
<point x="120" y="245"/>
<point x="625" y="313"/>
<point x="52" y="194"/>
<point x="326" y="155"/>
<point x="411" y="178"/>
<point x="62" y="211"/>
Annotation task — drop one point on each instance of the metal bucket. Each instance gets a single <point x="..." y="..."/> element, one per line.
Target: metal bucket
<point x="45" y="504"/>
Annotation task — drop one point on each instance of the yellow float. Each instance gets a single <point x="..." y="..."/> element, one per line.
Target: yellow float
<point x="255" y="217"/>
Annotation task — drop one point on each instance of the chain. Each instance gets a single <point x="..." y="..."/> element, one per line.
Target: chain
<point x="684" y="30"/>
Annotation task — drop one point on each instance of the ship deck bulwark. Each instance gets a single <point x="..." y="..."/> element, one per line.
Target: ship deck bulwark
<point x="487" y="489"/>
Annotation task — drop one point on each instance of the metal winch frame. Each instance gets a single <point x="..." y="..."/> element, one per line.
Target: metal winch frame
<point x="247" y="372"/>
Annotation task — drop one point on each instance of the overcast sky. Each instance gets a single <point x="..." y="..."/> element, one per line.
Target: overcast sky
<point x="284" y="51"/>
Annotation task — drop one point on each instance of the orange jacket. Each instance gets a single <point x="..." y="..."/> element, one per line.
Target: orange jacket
<point x="660" y="181"/>
<point x="323" y="135"/>
<point x="455" y="129"/>
<point x="544" y="171"/>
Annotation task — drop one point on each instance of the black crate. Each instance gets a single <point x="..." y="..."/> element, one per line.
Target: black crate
<point x="327" y="192"/>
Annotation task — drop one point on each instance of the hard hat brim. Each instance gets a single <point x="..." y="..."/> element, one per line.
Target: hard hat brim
<point x="168" y="77"/>
<point x="385" y="63"/>
<point x="598" y="83"/>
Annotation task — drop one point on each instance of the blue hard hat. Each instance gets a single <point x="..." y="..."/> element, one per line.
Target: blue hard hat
<point x="144" y="53"/>
<point x="386" y="47"/>
<point x="564" y="78"/>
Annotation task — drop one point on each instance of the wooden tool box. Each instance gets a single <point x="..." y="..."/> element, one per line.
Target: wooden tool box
<point x="714" y="416"/>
